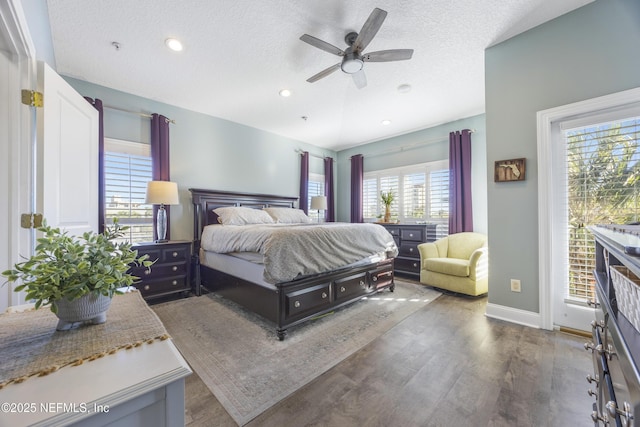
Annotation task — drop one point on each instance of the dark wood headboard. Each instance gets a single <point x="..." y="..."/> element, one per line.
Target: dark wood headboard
<point x="205" y="201"/>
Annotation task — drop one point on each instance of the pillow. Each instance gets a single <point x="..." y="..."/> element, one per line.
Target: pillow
<point x="288" y="215"/>
<point x="234" y="215"/>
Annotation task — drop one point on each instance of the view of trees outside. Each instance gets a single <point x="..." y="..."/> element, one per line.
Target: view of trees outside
<point x="603" y="174"/>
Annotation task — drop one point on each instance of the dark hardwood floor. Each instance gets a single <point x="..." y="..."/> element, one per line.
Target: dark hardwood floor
<point x="445" y="365"/>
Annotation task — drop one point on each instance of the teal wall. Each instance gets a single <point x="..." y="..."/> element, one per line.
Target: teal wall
<point x="422" y="146"/>
<point x="587" y="53"/>
<point x="207" y="152"/>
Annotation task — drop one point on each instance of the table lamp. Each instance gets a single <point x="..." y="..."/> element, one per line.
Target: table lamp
<point x="162" y="193"/>
<point x="319" y="203"/>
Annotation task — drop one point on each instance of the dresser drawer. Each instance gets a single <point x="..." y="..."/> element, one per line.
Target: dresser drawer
<point x="394" y="231"/>
<point x="409" y="249"/>
<point x="412" y="234"/>
<point x="350" y="286"/>
<point x="408" y="265"/>
<point x="299" y="302"/>
<point x="159" y="271"/>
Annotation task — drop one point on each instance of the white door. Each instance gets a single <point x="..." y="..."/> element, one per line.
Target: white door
<point x="67" y="183"/>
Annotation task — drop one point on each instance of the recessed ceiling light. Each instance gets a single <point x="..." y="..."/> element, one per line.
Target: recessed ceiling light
<point x="173" y="44"/>
<point x="386" y="122"/>
<point x="404" y="88"/>
<point x="285" y="92"/>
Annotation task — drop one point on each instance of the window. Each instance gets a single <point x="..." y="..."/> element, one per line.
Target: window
<point x="603" y="183"/>
<point x="127" y="168"/>
<point x="421" y="193"/>
<point x="316" y="188"/>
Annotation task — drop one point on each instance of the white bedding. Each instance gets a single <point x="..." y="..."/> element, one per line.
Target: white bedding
<point x="293" y="251"/>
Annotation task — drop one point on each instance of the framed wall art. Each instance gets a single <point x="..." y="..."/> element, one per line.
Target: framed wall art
<point x="510" y="170"/>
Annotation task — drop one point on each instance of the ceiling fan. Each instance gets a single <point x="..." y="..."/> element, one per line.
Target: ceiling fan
<point x="353" y="58"/>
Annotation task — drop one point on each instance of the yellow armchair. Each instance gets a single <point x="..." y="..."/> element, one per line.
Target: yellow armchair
<point x="458" y="263"/>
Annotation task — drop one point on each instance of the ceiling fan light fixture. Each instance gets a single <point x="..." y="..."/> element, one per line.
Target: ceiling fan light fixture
<point x="174" y="44"/>
<point x="352" y="65"/>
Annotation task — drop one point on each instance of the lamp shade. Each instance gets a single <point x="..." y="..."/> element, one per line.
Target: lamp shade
<point x="162" y="193"/>
<point x="319" y="203"/>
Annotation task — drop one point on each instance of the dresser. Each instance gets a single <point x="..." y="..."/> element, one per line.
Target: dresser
<point x="615" y="343"/>
<point x="408" y="237"/>
<point x="171" y="272"/>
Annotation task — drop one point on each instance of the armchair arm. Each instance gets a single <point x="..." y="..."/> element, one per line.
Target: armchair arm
<point x="479" y="264"/>
<point x="428" y="250"/>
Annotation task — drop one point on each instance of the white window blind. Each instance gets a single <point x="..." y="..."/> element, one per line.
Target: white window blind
<point x="127" y="170"/>
<point x="421" y="193"/>
<point x="315" y="188"/>
<point x="603" y="183"/>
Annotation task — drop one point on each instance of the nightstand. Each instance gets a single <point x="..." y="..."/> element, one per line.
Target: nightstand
<point x="408" y="237"/>
<point x="171" y="272"/>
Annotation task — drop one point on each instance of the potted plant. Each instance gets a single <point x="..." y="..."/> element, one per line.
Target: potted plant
<point x="387" y="199"/>
<point x="77" y="275"/>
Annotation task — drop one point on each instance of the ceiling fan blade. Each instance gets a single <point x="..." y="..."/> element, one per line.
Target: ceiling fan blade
<point x="388" y="55"/>
<point x="369" y="29"/>
<point x="320" y="44"/>
<point x="323" y="73"/>
<point x="360" y="79"/>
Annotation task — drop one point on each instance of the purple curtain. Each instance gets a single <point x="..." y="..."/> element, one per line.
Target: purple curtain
<point x="330" y="213"/>
<point x="357" y="174"/>
<point x="460" y="212"/>
<point x="160" y="159"/>
<point x="303" y="202"/>
<point x="97" y="103"/>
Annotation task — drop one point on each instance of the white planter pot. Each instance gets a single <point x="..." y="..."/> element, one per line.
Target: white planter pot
<point x="89" y="308"/>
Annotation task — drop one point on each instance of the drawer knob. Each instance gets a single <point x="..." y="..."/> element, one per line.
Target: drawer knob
<point x="175" y="282"/>
<point x="415" y="264"/>
<point x="175" y="254"/>
<point x="174" y="268"/>
<point x="342" y="289"/>
<point x="591" y="379"/>
<point x="296" y="304"/>
<point x="324" y="295"/>
<point x="410" y="234"/>
<point x="147" y="272"/>
<point x="625" y="412"/>
<point x="362" y="283"/>
<point x="374" y="278"/>
<point x="147" y="287"/>
<point x="410" y="249"/>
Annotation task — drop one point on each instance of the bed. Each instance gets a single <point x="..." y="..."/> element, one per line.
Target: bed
<point x="285" y="303"/>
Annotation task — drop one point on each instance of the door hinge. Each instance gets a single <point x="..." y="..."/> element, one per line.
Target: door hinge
<point x="31" y="220"/>
<point x="32" y="98"/>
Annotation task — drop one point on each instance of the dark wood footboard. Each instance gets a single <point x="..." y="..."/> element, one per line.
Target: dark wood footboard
<point x="295" y="302"/>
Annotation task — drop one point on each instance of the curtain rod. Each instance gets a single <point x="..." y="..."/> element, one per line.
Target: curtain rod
<point x="412" y="146"/>
<point x="299" y="151"/>
<point x="148" y="116"/>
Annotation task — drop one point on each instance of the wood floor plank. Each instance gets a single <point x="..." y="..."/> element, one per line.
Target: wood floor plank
<point x="447" y="364"/>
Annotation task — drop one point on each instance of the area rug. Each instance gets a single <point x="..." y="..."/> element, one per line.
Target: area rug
<point x="237" y="355"/>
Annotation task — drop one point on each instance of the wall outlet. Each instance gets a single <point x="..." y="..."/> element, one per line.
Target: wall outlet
<point x="515" y="285"/>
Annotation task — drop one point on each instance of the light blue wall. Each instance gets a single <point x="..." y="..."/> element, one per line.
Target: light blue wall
<point x="589" y="52"/>
<point x="207" y="152"/>
<point x="420" y="147"/>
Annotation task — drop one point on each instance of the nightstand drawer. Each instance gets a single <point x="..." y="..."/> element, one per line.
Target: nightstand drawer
<point x="159" y="270"/>
<point x="165" y="285"/>
<point x="175" y="254"/>
<point x="411" y="265"/>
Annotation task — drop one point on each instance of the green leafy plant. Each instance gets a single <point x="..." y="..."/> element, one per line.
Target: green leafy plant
<point x="67" y="266"/>
<point x="387" y="198"/>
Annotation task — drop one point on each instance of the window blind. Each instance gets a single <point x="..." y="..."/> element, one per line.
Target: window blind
<point x="127" y="171"/>
<point x="603" y="174"/>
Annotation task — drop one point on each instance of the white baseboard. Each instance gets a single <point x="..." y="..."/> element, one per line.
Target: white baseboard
<point x="513" y="315"/>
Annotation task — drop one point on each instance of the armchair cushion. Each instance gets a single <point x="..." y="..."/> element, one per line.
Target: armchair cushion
<point x="450" y="266"/>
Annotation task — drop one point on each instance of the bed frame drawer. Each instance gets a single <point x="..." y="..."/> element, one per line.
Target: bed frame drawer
<point x="381" y="277"/>
<point x="308" y="299"/>
<point x="351" y="286"/>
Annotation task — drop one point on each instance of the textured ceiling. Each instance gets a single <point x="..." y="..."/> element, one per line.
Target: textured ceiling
<point x="239" y="54"/>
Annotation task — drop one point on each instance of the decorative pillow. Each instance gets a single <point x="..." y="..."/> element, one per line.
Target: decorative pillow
<point x="288" y="215"/>
<point x="238" y="215"/>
